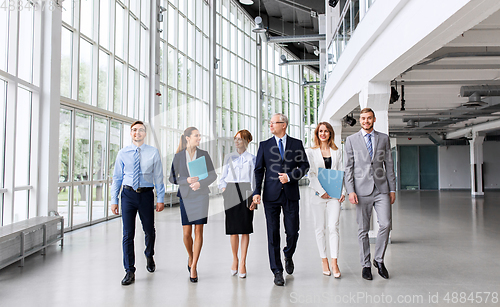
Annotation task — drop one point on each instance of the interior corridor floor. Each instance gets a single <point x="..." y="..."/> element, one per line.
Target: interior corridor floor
<point x="445" y="250"/>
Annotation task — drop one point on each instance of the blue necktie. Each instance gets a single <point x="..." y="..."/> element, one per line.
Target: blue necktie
<point x="282" y="151"/>
<point x="137" y="169"/>
<point x="369" y="145"/>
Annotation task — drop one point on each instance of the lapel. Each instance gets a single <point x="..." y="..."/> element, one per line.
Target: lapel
<point x="288" y="145"/>
<point x="183" y="163"/>
<point x="273" y="147"/>
<point x="363" y="143"/>
<point x="333" y="156"/>
<point x="374" y="141"/>
<point x="319" y="158"/>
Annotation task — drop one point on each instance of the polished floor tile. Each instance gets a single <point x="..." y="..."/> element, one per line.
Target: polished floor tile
<point x="444" y="251"/>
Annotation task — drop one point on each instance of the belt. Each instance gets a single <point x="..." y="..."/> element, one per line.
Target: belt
<point x="139" y="190"/>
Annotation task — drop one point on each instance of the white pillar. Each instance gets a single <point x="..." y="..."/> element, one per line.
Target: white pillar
<point x="50" y="85"/>
<point x="476" y="164"/>
<point x="375" y="95"/>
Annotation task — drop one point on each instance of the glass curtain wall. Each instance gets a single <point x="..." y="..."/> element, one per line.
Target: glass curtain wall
<point x="105" y="54"/>
<point x="281" y="90"/>
<point x="105" y="64"/>
<point x="311" y="101"/>
<point x="20" y="52"/>
<point x="184" y="76"/>
<point x="236" y="87"/>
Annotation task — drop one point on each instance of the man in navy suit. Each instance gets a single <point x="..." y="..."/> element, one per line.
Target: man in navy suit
<point x="283" y="161"/>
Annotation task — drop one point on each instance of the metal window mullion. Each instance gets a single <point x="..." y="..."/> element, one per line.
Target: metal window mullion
<point x="10" y="146"/>
<point x="37" y="39"/>
<point x="125" y="69"/>
<point x="106" y="168"/>
<point x="11" y="78"/>
<point x="95" y="66"/>
<point x="91" y="168"/>
<point x="34" y="151"/>
<point x="72" y="168"/>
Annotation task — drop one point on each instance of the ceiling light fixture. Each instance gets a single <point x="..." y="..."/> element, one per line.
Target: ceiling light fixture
<point x="394" y="94"/>
<point x="246" y="2"/>
<point x="316" y="51"/>
<point x="259" y="26"/>
<point x="349" y="119"/>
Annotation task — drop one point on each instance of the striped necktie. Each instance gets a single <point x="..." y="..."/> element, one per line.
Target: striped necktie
<point x="369" y="145"/>
<point x="137" y="169"/>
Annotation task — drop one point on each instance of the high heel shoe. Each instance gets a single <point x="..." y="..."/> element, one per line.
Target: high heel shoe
<point x="189" y="268"/>
<point x="336" y="275"/>
<point x="243" y="275"/>
<point x="234" y="272"/>
<point x="193" y="279"/>
<point x="327" y="273"/>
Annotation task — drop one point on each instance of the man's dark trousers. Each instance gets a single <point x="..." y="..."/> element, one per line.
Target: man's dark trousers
<point x="133" y="202"/>
<point x="272" y="210"/>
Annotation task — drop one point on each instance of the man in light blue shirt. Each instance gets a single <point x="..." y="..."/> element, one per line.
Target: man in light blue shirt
<point x="138" y="169"/>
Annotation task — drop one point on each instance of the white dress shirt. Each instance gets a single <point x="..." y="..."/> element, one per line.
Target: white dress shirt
<point x="243" y="165"/>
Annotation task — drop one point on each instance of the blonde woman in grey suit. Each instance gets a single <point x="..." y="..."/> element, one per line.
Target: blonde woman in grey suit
<point x="325" y="209"/>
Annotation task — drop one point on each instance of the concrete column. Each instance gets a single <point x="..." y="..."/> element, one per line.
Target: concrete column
<point x="375" y="95"/>
<point x="337" y="128"/>
<point x="322" y="48"/>
<point x="476" y="164"/>
<point x="50" y="85"/>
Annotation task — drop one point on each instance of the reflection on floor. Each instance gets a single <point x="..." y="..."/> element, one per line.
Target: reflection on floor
<point x="444" y="247"/>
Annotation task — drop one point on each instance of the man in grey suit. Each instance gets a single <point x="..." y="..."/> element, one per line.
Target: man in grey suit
<point x="370" y="183"/>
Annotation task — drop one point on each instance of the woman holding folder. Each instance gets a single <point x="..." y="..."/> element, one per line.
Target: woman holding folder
<point x="325" y="209"/>
<point x="193" y="192"/>
<point x="237" y="184"/>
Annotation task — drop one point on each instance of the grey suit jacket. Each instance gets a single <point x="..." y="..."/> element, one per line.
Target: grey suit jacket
<point x="363" y="173"/>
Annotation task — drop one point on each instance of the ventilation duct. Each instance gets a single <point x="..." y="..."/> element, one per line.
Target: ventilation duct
<point x="481" y="90"/>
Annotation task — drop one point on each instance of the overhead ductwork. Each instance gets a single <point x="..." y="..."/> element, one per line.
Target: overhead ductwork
<point x="476" y="92"/>
<point x="481" y="90"/>
<point x="297" y="38"/>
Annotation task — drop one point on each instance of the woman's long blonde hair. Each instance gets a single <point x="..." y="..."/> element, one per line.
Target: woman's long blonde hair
<point x="331" y="143"/>
<point x="183" y="141"/>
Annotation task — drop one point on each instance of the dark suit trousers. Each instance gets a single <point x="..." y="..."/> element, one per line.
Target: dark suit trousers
<point x="132" y="203"/>
<point x="291" y="221"/>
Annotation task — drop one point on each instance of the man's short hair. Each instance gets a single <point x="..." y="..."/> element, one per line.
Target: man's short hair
<point x="367" y="110"/>
<point x="283" y="118"/>
<point x="137" y="122"/>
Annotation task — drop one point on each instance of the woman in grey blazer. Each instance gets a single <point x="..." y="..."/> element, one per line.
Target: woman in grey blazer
<point x="325" y="154"/>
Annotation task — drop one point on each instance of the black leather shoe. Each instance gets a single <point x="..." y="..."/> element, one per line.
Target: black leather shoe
<point x="289" y="266"/>
<point x="367" y="273"/>
<point x="151" y="266"/>
<point x="382" y="271"/>
<point x="278" y="278"/>
<point x="128" y="279"/>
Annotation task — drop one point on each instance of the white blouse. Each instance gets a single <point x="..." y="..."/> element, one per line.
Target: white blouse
<point x="188" y="159"/>
<point x="243" y="165"/>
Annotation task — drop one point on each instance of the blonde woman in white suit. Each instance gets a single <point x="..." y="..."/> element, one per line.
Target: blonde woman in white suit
<point x="326" y="210"/>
